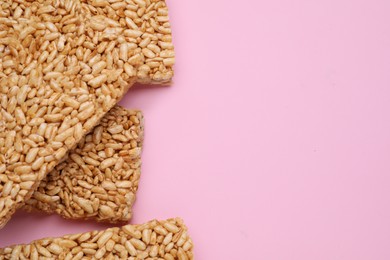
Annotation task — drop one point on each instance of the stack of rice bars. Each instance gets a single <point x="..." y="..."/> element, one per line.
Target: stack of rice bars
<point x="66" y="147"/>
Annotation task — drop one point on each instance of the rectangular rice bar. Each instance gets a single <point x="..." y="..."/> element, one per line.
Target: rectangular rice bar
<point x="99" y="179"/>
<point x="63" y="65"/>
<point x="167" y="239"/>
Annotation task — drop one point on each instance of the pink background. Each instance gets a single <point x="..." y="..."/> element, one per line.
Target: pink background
<point x="274" y="140"/>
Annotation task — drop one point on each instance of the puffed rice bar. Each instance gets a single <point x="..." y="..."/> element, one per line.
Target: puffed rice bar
<point x="63" y="65"/>
<point x="100" y="177"/>
<point x="154" y="240"/>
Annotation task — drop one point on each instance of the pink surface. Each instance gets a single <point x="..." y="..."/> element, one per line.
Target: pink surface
<point x="274" y="140"/>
